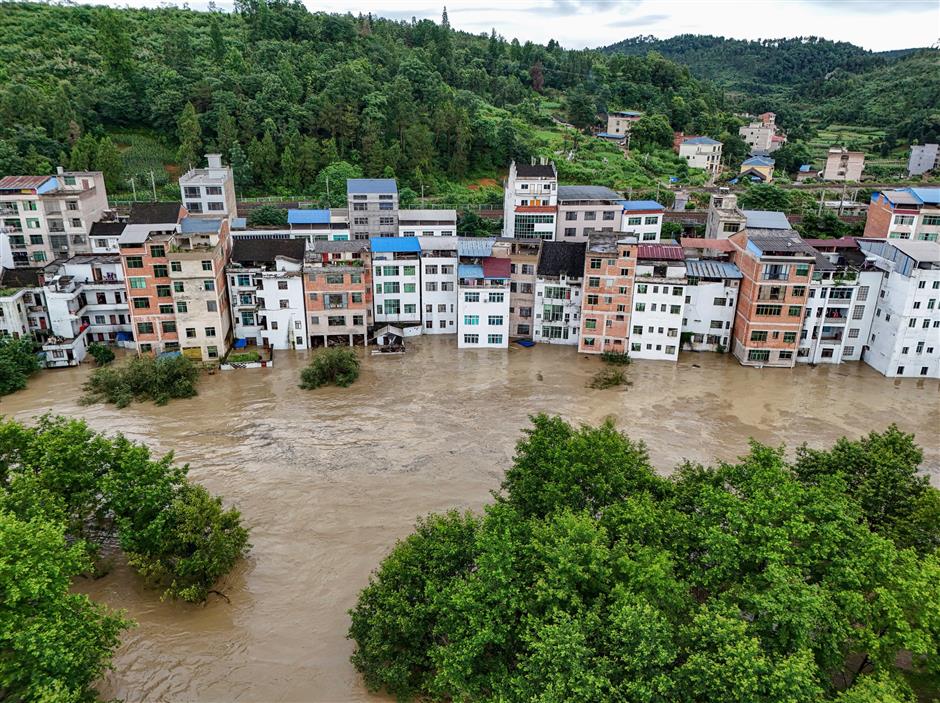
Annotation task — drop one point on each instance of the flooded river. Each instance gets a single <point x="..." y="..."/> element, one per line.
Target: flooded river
<point x="328" y="480"/>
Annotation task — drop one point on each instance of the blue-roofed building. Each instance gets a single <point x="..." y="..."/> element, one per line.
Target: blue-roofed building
<point x="905" y="213"/>
<point x="643" y="219"/>
<point x="712" y="294"/>
<point x="373" y="207"/>
<point x="307" y="217"/>
<point x="757" y="168"/>
<point x="396" y="270"/>
<point x="701" y="152"/>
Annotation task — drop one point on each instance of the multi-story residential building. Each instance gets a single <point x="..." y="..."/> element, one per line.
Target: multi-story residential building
<point x="609" y="272"/>
<point x="373" y="207"/>
<point x="777" y="268"/>
<point x="758" y="169"/>
<point x="701" y="152"/>
<point x="22" y="308"/>
<point x="643" y="219"/>
<point x="841" y="305"/>
<point x="658" y="302"/>
<point x="396" y="271"/>
<point x="266" y="292"/>
<point x="530" y="201"/>
<point x="905" y="332"/>
<point x="585" y="208"/>
<point x="104" y="236"/>
<point x="843" y="165"/>
<point x="427" y="223"/>
<point x="726" y="218"/>
<point x="558" y="286"/>
<point x="622" y="121"/>
<point x="439" y="284"/>
<point x="711" y="297"/>
<point x="758" y="137"/>
<point x="523" y="257"/>
<point x="924" y="158"/>
<point x="338" y="290"/>
<point x="210" y="191"/>
<point x="49" y="217"/>
<point x="319" y="225"/>
<point x="483" y="294"/>
<point x="907" y="213"/>
<point x="86" y="300"/>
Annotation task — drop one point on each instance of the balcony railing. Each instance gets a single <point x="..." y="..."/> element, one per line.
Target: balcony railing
<point x="767" y="276"/>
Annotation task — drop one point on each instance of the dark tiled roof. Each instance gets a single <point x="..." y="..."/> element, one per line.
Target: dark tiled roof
<point x="20" y="278"/>
<point x="267" y="249"/>
<point x="535" y="170"/>
<point x="107" y="229"/>
<point x="561" y="259"/>
<point x="154" y="213"/>
<point x="779" y="241"/>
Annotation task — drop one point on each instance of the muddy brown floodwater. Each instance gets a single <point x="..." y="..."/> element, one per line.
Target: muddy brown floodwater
<point x="327" y="481"/>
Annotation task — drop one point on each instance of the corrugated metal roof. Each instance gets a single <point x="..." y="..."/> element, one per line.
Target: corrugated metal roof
<point x="901" y="197"/>
<point x="929" y="196"/>
<point x="198" y="225"/>
<point x="371" y="185"/>
<point x="700" y="140"/>
<point x="437" y="243"/>
<point x="469" y="271"/>
<point x="669" y="252"/>
<point x="394" y="244"/>
<point x="702" y="243"/>
<point x="138" y="234"/>
<point x="629" y="205"/>
<point x="705" y="268"/>
<point x="22" y="182"/>
<point x="308" y="217"/>
<point x="758" y="161"/>
<point x="766" y="219"/>
<point x="472" y="247"/>
<point x="496" y="267"/>
<point x="610" y="135"/>
<point x="587" y="193"/>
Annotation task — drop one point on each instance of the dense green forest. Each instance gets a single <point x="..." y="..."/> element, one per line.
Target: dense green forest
<point x="807" y="78"/>
<point x="291" y="96"/>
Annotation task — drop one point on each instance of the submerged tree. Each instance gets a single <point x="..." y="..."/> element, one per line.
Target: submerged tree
<point x="338" y="366"/>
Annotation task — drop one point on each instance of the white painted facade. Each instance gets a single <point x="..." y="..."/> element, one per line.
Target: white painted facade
<point x="905" y="333"/>
<point x="709" y="313"/>
<point x="396" y="279"/>
<point x="439" y="285"/>
<point x="483" y="314"/>
<point x="20" y="312"/>
<point x="703" y="153"/>
<point x="530" y="201"/>
<point x="646" y="224"/>
<point x="210" y="191"/>
<point x="658" y="310"/>
<point x="427" y="223"/>
<point x="557" y="310"/>
<point x="268" y="304"/>
<point x="839" y="314"/>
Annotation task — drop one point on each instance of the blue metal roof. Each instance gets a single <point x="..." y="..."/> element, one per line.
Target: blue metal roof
<point x="712" y="269"/>
<point x="198" y="225"/>
<point x="758" y="161"/>
<point x="51" y="184"/>
<point x="469" y="271"/>
<point x="611" y="135"/>
<point x="474" y="247"/>
<point x="641" y="205"/>
<point x="805" y="168"/>
<point x="371" y="185"/>
<point x="700" y="140"/>
<point x="308" y="217"/>
<point x="395" y="244"/>
<point x="927" y="195"/>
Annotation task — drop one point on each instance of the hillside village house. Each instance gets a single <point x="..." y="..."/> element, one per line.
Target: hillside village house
<point x="702" y="152"/>
<point x="530" y="201"/>
<point x="585" y="208"/>
<point x="923" y="158"/>
<point x="906" y="213"/>
<point x="757" y="168"/>
<point x="843" y="165"/>
<point x="621" y="122"/>
<point x="210" y="191"/>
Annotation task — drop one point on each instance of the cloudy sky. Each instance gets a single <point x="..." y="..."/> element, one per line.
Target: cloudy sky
<point x="873" y="24"/>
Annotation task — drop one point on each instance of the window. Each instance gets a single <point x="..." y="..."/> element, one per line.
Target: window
<point x="496" y="297"/>
<point x="494" y="339"/>
<point x="900" y="370"/>
<point x="651" y="220"/>
<point x="595" y="263"/>
<point x="789" y="337"/>
<point x="213" y="306"/>
<point x="729" y="227"/>
<point x="430" y="286"/>
<point x="758" y="355"/>
<point x="134" y="262"/>
<point x="641" y="307"/>
<point x="178" y="287"/>
<point x="794" y="311"/>
<point x="799" y="291"/>
<point x="141" y="303"/>
<point x="571" y="216"/>
<point x="389" y="270"/>
<point x="903" y="219"/>
<point x="471" y="297"/>
<point x="591" y="215"/>
<point x="759" y="336"/>
<point x="177" y="267"/>
<point x="789" y="355"/>
<point x="641" y="288"/>
<point x="675" y="309"/>
<point x="208" y="284"/>
<point x="802" y="269"/>
<point x="137" y="282"/>
<point x="634" y="220"/>
<point x="210" y="331"/>
<point x="495" y="320"/>
<point x="190" y="333"/>
<point x="637" y="329"/>
<point x="768" y="310"/>
<point x="590" y="323"/>
<point x="609" y="215"/>
<point x="168" y="326"/>
<point x="158" y="251"/>
<point x="720" y="302"/>
<point x="471" y="319"/>
<point x="408" y="288"/>
<point x="182" y="306"/>
<point x="390" y="287"/>
<point x="145" y="327"/>
<point x="166" y="309"/>
<point x="161" y="271"/>
<point x="163" y="291"/>
<point x="471" y="339"/>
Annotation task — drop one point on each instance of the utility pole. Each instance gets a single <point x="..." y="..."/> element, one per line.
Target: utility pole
<point x="133" y="188"/>
<point x="822" y="194"/>
<point x="842" y="199"/>
<point x="153" y="185"/>
<point x="328" y="191"/>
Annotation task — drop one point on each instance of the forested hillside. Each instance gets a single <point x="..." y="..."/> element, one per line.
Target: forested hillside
<point x="291" y="96"/>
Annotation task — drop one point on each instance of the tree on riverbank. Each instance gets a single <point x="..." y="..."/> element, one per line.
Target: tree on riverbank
<point x="593" y="578"/>
<point x="101" y="354"/>
<point x="96" y="488"/>
<point x="18" y="362"/>
<point x="141" y="379"/>
<point x="338" y="366"/>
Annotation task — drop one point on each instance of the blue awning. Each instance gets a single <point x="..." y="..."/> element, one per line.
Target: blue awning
<point x="123" y="336"/>
<point x="240" y="343"/>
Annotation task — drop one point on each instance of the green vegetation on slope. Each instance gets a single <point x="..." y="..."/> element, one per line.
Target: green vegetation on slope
<point x="591" y="578"/>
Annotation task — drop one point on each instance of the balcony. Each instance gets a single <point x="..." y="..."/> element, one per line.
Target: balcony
<point x="771" y="276"/>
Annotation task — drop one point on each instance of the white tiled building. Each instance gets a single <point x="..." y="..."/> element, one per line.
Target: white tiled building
<point x="710" y="300"/>
<point x="702" y="152"/>
<point x="209" y="191"/>
<point x="482" y="294"/>
<point x="643" y="219"/>
<point x="427" y="223"/>
<point x="22" y="308"/>
<point x="558" y="288"/>
<point x="658" y="302"/>
<point x="905" y="332"/>
<point x="439" y="284"/>
<point x="530" y="201"/>
<point x="396" y="276"/>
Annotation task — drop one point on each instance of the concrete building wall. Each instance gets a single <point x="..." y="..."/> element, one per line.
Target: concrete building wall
<point x="923" y="158"/>
<point x="338" y="302"/>
<point x="844" y="165"/>
<point x="210" y="191"/>
<point x="483" y="316"/>
<point x="658" y="307"/>
<point x="439" y="295"/>
<point x="838" y="318"/>
<point x="397" y="282"/>
<point x="575" y="220"/>
<point x="373" y="214"/>
<point x="557" y="310"/>
<point x="709" y="314"/>
<point x="524" y="257"/>
<point x="607" y="298"/>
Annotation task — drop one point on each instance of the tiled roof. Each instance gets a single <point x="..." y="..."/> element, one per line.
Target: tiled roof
<point x="840" y="243"/>
<point x="496" y="267"/>
<point x="153" y="213"/>
<point x="394" y="244"/>
<point x="668" y="252"/>
<point x="702" y="243"/>
<point x="371" y="185"/>
<point x="107" y="229"/>
<point x="535" y="170"/>
<point x="772" y="241"/>
<point x="708" y="268"/>
<point x="20" y="277"/>
<point x="22" y="182"/>
<point x="587" y="193"/>
<point x="700" y="140"/>
<point x="340" y="245"/>
<point x="561" y="259"/>
<point x="758" y="161"/>
<point x="308" y="217"/>
<point x="267" y="250"/>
